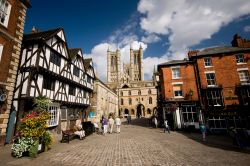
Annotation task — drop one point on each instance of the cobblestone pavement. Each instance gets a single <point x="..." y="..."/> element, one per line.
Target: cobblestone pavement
<point x="139" y="145"/>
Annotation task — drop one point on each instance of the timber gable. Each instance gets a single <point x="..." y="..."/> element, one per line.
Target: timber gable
<point x="49" y="68"/>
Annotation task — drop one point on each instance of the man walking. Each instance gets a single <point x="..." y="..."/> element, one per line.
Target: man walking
<point x="118" y="124"/>
<point x="129" y="119"/>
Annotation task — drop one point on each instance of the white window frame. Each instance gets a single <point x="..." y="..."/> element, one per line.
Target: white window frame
<point x="180" y="90"/>
<point x="244" y="78"/>
<point x="216" y="98"/>
<point x="4" y="12"/>
<point x="240" y="59"/>
<point x="1" y="51"/>
<point x="208" y="62"/>
<point x="54" y="110"/>
<point x="176" y="75"/>
<point x="210" y="85"/>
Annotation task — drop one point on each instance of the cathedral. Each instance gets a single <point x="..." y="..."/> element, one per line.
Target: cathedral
<point x="137" y="97"/>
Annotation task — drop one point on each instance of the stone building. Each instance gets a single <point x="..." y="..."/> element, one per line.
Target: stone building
<point x="103" y="102"/>
<point x="12" y="19"/>
<point x="136" y="96"/>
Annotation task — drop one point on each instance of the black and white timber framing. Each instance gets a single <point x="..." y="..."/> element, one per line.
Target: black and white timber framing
<point x="49" y="68"/>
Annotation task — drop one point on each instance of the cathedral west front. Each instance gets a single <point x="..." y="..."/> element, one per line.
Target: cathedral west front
<point x="137" y="97"/>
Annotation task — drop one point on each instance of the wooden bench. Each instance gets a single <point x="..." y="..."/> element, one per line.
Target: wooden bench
<point x="68" y="135"/>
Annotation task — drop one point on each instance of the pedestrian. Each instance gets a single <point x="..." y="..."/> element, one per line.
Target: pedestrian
<point x="129" y="119"/>
<point x="203" y="131"/>
<point x="155" y="122"/>
<point x="111" y="124"/>
<point x="166" y="126"/>
<point x="105" y="125"/>
<point x="118" y="124"/>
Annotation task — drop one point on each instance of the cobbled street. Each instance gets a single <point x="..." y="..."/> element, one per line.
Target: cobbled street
<point x="139" y="144"/>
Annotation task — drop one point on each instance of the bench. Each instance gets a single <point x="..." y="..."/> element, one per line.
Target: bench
<point x="68" y="135"/>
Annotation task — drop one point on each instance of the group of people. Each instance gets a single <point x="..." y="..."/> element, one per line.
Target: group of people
<point x="108" y="125"/>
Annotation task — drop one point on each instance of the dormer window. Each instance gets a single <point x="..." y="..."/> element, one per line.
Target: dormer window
<point x="240" y="58"/>
<point x="4" y="12"/>
<point x="208" y="62"/>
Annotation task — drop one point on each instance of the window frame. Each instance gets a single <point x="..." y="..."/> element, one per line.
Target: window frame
<point x="174" y="74"/>
<point x="209" y="80"/>
<point x="5" y="13"/>
<point x="208" y="62"/>
<point x="72" y="90"/>
<point x="55" y="58"/>
<point x="48" y="83"/>
<point x="54" y="115"/>
<point x="76" y="71"/>
<point x="214" y="98"/>
<point x="174" y="91"/>
<point x="245" y="80"/>
<point x="240" y="60"/>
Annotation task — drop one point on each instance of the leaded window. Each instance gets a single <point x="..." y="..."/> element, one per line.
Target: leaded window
<point x="54" y="58"/>
<point x="54" y="115"/>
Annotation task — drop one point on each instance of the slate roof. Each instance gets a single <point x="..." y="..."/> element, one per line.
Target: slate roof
<point x="87" y="62"/>
<point x="220" y="50"/>
<point x="41" y="35"/>
<point x="174" y="62"/>
<point x="73" y="52"/>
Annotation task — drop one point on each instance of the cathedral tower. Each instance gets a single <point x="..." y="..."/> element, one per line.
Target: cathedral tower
<point x="136" y="64"/>
<point x="114" y="66"/>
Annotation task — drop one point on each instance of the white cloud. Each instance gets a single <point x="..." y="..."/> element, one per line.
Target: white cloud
<point x="151" y="38"/>
<point x="187" y="23"/>
<point x="247" y="28"/>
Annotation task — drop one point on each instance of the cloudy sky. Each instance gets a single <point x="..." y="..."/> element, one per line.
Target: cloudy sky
<point x="166" y="29"/>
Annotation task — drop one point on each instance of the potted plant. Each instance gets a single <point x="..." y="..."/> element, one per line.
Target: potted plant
<point x="47" y="140"/>
<point x="32" y="130"/>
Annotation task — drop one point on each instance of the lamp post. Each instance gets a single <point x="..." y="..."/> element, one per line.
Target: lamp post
<point x="191" y="93"/>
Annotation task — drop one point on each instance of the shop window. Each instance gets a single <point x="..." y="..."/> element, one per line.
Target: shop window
<point x="54" y="115"/>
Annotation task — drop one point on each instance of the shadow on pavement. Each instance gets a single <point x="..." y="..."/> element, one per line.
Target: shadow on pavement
<point x="216" y="141"/>
<point x="143" y="122"/>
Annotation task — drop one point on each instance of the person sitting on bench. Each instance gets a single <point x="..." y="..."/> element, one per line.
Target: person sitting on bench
<point x="78" y="129"/>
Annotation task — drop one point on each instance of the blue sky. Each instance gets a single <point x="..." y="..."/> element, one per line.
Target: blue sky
<point x="166" y="29"/>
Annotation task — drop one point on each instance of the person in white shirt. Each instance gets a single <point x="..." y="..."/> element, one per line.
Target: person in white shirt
<point x="166" y="127"/>
<point x="118" y="124"/>
<point x="111" y="124"/>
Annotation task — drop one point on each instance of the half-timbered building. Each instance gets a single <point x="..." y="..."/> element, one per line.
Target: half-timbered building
<point x="49" y="68"/>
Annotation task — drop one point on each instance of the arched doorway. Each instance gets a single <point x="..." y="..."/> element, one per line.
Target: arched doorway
<point x="140" y="111"/>
<point x="126" y="112"/>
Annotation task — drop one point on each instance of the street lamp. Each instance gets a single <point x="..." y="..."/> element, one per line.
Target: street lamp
<point x="191" y="93"/>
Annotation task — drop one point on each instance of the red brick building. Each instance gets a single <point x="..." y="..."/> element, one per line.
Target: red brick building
<point x="217" y="78"/>
<point x="179" y="96"/>
<point x="12" y="18"/>
<point x="223" y="79"/>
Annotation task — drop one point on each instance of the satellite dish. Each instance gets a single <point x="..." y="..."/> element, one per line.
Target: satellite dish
<point x="3" y="97"/>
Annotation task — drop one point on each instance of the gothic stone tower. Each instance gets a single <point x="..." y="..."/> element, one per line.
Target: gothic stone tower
<point x="136" y="64"/>
<point x="114" y="66"/>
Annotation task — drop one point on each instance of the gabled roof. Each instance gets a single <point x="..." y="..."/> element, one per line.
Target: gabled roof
<point x="73" y="52"/>
<point x="41" y="35"/>
<point x="87" y="62"/>
<point x="174" y="62"/>
<point x="220" y="50"/>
